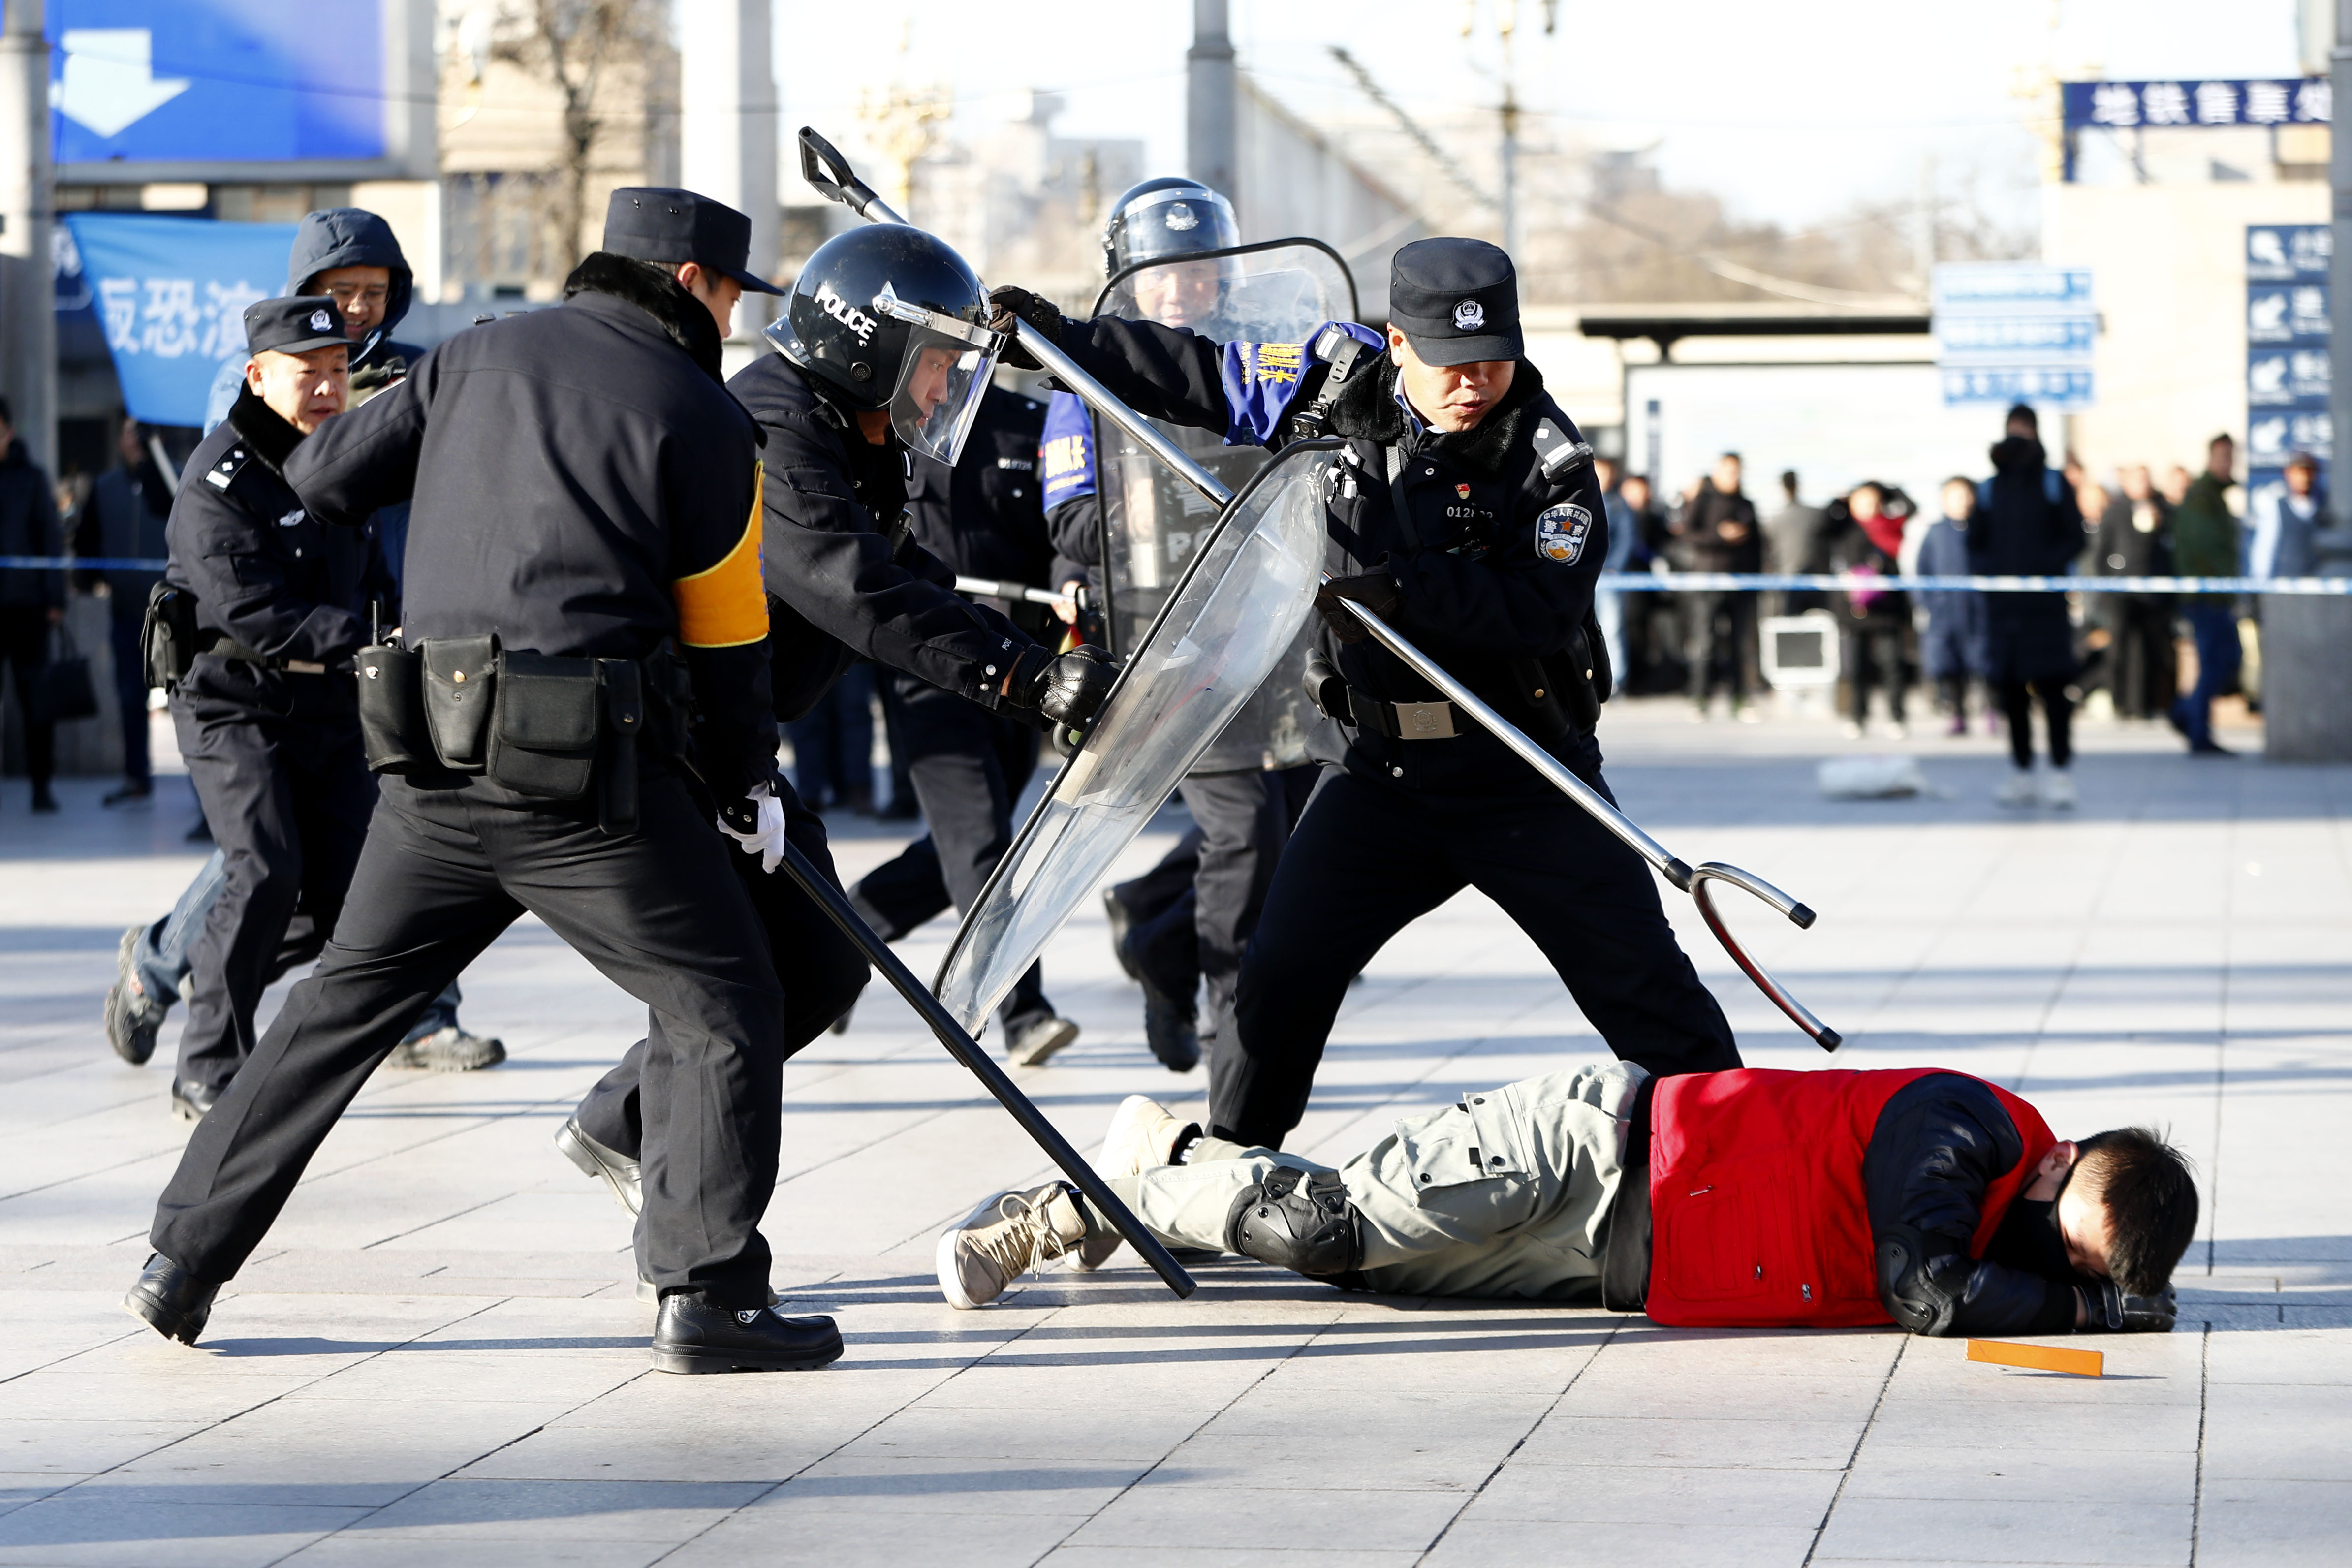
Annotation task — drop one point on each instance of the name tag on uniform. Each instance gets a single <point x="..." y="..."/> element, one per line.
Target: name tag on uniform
<point x="1560" y="533"/>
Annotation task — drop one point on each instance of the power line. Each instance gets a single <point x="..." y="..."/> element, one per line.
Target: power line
<point x="1422" y="139"/>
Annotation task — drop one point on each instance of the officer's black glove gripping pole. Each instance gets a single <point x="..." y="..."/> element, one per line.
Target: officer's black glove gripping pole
<point x="968" y="1051"/>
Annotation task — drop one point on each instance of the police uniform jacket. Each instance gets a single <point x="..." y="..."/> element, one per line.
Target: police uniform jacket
<point x="274" y="584"/>
<point x="1493" y="559"/>
<point x="985" y="517"/>
<point x="844" y="577"/>
<point x="582" y="485"/>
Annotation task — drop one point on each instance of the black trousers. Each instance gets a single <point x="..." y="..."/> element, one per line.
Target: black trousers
<point x="1873" y="655"/>
<point x="970" y="766"/>
<point x="2057" y="716"/>
<point x="1194" y="912"/>
<point x="130" y="688"/>
<point x="1367" y="858"/>
<point x="25" y="643"/>
<point x="659" y="912"/>
<point x="821" y="970"/>
<point x="288" y="800"/>
<point x="1717" y="630"/>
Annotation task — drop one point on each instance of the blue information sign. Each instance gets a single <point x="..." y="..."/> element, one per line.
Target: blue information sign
<point x="2015" y="332"/>
<point x="2129" y="105"/>
<point x="171" y="294"/>
<point x="200" y="81"/>
<point x="2287" y="358"/>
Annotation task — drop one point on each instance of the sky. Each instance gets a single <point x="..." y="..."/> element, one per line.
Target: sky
<point x="1791" y="113"/>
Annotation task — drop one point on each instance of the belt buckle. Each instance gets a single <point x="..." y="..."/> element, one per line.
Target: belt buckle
<point x="1424" y="720"/>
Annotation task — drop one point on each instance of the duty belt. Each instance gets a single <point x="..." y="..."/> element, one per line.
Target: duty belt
<point x="1402" y="720"/>
<point x="230" y="647"/>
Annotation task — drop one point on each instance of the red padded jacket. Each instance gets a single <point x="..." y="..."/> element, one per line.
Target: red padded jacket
<point x="1758" y="1217"/>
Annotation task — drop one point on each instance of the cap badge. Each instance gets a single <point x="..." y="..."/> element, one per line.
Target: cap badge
<point x="1469" y="316"/>
<point x="1183" y="218"/>
<point x="320" y="321"/>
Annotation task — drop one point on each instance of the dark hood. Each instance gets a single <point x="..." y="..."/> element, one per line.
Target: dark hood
<point x="2013" y="453"/>
<point x="351" y="236"/>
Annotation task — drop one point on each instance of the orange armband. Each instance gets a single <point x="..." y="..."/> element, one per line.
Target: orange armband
<point x="726" y="606"/>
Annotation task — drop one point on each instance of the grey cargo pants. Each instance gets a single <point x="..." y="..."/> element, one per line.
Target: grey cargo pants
<point x="1504" y="1195"/>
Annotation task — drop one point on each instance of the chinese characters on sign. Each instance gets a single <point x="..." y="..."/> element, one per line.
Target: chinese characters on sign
<point x="2287" y="363"/>
<point x="2015" y="331"/>
<point x="171" y="293"/>
<point x="2128" y="105"/>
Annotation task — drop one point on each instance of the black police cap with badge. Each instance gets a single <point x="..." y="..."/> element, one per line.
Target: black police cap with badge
<point x="1457" y="300"/>
<point x="659" y="224"/>
<point x="293" y="325"/>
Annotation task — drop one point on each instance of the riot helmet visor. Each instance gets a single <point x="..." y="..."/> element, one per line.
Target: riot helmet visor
<point x="943" y="376"/>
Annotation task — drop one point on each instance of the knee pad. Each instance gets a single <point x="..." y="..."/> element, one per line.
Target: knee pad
<point x="1297" y="1220"/>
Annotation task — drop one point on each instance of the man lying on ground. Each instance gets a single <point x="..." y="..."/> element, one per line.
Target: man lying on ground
<point x="1819" y="1199"/>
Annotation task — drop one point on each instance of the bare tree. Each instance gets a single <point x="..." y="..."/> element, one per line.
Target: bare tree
<point x="576" y="48"/>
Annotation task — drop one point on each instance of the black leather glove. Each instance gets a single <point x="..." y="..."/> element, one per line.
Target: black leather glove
<point x="1011" y="304"/>
<point x="1063" y="692"/>
<point x="1376" y="591"/>
<point x="2113" y="1312"/>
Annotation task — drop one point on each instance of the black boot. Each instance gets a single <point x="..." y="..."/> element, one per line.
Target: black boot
<point x="192" y="1101"/>
<point x="171" y="1300"/>
<point x="610" y="1166"/>
<point x="692" y="1335"/>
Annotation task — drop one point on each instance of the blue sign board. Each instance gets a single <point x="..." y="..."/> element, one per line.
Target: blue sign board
<point x="2288" y="363"/>
<point x="201" y="82"/>
<point x="171" y="294"/>
<point x="2130" y="105"/>
<point x="2015" y="332"/>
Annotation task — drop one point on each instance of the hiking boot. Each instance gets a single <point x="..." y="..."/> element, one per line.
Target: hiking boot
<point x="1143" y="1135"/>
<point x="448" y="1048"/>
<point x="615" y="1170"/>
<point x="171" y="1300"/>
<point x="692" y="1334"/>
<point x="1005" y="1239"/>
<point x="132" y="1017"/>
<point x="1040" y="1040"/>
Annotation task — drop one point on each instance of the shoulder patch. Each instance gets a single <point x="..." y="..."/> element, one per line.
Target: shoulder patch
<point x="223" y="474"/>
<point x="1560" y="533"/>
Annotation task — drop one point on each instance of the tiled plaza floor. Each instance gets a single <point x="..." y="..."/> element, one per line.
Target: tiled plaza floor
<point x="436" y="1359"/>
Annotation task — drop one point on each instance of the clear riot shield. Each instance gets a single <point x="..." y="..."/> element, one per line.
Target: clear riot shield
<point x="1225" y="625"/>
<point x="1276" y="292"/>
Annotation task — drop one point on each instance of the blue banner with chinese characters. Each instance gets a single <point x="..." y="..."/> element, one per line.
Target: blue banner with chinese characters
<point x="170" y="294"/>
<point x="2129" y="105"/>
<point x="2287" y="358"/>
<point x="2015" y="332"/>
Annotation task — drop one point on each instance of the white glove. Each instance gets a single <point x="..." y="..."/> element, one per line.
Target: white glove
<point x="756" y="823"/>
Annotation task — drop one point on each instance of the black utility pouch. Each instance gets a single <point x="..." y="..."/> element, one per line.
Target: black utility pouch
<point x="167" y="634"/>
<point x="392" y="709"/>
<point x="458" y="675"/>
<point x="623" y="691"/>
<point x="543" y="736"/>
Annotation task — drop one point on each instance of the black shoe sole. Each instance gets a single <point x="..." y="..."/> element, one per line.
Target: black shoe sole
<point x="167" y="1321"/>
<point x="701" y="1360"/>
<point x="132" y="1041"/>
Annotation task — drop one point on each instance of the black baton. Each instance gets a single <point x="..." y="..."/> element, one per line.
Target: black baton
<point x="968" y="1051"/>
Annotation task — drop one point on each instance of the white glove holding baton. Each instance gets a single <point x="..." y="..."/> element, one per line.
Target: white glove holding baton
<point x="756" y="823"/>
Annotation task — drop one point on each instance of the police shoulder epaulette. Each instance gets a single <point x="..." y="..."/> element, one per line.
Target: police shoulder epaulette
<point x="223" y="474"/>
<point x="1556" y="454"/>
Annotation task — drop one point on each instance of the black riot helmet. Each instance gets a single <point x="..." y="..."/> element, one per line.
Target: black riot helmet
<point x="890" y="317"/>
<point x="1166" y="216"/>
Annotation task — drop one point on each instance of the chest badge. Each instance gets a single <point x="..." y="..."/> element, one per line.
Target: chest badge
<point x="1560" y="533"/>
<point x="1462" y="490"/>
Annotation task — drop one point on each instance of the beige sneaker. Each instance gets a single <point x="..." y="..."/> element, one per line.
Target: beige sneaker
<point x="1005" y="1239"/>
<point x="2058" y="789"/>
<point x="2020" y="788"/>
<point x="1143" y="1134"/>
<point x="447" y="1049"/>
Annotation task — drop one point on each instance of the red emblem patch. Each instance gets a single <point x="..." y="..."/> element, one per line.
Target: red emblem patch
<point x="1462" y="490"/>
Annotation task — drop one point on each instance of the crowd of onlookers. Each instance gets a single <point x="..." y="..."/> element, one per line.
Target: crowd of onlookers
<point x="2028" y="518"/>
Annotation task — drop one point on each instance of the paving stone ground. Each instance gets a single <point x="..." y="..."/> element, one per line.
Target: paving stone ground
<point x="437" y="1360"/>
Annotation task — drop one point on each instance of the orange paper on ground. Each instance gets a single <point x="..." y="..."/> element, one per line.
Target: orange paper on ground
<point x="2038" y="1358"/>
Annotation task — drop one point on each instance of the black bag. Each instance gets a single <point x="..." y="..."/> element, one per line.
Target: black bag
<point x="167" y="634"/>
<point x="392" y="709"/>
<point x="64" y="691"/>
<point x="544" y="735"/>
<point x="458" y="674"/>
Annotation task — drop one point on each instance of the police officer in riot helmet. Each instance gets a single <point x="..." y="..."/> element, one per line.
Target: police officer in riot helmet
<point x="584" y="633"/>
<point x="1464" y="512"/>
<point x="1189" y="918"/>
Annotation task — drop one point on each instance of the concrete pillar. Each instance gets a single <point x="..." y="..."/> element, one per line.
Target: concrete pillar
<point x="1212" y="103"/>
<point x="727" y="130"/>
<point x="28" y="325"/>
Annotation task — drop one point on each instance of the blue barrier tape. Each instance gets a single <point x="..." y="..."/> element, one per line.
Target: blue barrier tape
<point x="1736" y="581"/>
<point x="1646" y="581"/>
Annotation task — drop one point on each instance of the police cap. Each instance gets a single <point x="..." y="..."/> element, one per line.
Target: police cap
<point x="1457" y="300"/>
<point x="655" y="223"/>
<point x="293" y="325"/>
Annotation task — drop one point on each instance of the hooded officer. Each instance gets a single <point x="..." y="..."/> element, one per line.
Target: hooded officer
<point x="882" y="360"/>
<point x="1190" y="916"/>
<point x="1464" y="513"/>
<point x="586" y="631"/>
<point x="266" y="715"/>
